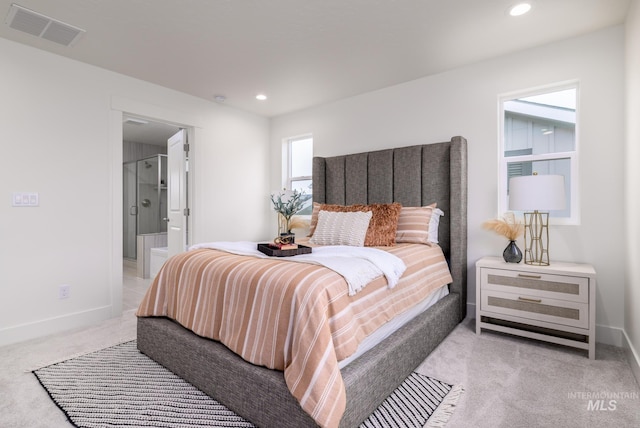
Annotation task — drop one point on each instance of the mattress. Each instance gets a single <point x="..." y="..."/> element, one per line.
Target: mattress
<point x="395" y="324"/>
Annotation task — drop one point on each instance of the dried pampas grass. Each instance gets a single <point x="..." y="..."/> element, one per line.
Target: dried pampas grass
<point x="507" y="226"/>
<point x="298" y="223"/>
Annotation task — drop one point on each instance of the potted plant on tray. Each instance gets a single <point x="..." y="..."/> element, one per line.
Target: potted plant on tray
<point x="286" y="203"/>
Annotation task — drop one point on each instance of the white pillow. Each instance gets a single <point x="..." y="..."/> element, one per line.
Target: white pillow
<point x="434" y="222"/>
<point x="341" y="228"/>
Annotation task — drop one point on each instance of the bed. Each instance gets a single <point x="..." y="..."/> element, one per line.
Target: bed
<point x="413" y="176"/>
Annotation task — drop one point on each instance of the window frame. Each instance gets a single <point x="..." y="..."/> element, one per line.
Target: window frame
<point x="287" y="158"/>
<point x="573" y="156"/>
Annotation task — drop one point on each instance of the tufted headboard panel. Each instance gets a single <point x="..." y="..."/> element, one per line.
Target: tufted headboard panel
<point x="413" y="176"/>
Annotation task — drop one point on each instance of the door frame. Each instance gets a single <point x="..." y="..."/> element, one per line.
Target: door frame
<point x="119" y="108"/>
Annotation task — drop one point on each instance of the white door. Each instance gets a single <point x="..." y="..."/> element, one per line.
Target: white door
<point x="177" y="196"/>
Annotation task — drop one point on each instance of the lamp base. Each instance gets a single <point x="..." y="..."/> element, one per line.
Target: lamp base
<point x="537" y="262"/>
<point x="536" y="241"/>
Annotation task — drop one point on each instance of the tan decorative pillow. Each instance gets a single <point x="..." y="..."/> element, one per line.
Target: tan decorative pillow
<point x="415" y="224"/>
<point x="314" y="218"/>
<point x="383" y="224"/>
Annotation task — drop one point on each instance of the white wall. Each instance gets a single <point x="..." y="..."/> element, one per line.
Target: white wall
<point x="62" y="138"/>
<point x="632" y="190"/>
<point x="465" y="102"/>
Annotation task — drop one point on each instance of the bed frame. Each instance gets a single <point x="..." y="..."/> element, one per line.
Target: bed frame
<point x="413" y="176"/>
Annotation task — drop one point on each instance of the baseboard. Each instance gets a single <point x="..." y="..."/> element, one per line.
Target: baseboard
<point x="46" y="327"/>
<point x="609" y="335"/>
<point x="471" y="310"/>
<point x="633" y="357"/>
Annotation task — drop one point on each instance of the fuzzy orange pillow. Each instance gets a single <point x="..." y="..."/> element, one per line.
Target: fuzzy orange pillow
<point x="383" y="224"/>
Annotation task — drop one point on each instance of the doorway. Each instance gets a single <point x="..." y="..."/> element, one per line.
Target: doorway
<point x="144" y="203"/>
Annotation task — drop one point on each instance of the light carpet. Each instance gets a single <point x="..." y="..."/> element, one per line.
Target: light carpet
<point x="121" y="387"/>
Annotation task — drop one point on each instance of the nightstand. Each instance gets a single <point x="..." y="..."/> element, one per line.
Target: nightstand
<point x="553" y="303"/>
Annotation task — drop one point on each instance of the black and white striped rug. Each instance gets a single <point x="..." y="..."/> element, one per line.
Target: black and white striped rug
<point x="121" y="387"/>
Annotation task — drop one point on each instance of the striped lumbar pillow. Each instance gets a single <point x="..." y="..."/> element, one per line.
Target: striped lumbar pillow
<point x="341" y="228"/>
<point x="418" y="225"/>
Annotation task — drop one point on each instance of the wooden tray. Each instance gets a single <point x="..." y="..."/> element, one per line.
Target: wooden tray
<point x="273" y="251"/>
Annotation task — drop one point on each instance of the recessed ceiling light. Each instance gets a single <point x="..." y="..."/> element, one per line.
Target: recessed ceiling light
<point x="520" y="9"/>
<point x="261" y="97"/>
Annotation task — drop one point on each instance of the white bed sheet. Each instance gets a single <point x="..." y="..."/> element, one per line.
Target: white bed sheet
<point x="396" y="323"/>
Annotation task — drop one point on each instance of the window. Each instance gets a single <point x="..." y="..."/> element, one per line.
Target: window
<point x="539" y="136"/>
<point x="299" y="169"/>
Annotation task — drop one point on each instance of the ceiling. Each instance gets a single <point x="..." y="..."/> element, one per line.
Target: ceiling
<point x="302" y="53"/>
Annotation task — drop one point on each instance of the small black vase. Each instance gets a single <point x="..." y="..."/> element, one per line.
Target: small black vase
<point x="512" y="253"/>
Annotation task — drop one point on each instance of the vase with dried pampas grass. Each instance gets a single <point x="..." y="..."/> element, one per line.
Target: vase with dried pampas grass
<point x="511" y="229"/>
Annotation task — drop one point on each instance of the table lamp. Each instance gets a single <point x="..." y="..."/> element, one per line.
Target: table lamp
<point x="536" y="195"/>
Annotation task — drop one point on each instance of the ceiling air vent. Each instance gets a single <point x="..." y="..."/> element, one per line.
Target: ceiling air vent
<point x="39" y="25"/>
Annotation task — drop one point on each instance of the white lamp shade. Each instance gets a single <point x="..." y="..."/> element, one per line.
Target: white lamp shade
<point x="537" y="192"/>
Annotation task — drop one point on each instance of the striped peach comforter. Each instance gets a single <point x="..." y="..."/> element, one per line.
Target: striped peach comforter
<point x="293" y="317"/>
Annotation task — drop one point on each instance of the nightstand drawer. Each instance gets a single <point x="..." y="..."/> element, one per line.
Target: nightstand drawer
<point x="531" y="307"/>
<point x="540" y="285"/>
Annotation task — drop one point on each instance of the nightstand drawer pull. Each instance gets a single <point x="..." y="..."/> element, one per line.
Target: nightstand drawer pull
<point x="522" y="275"/>
<point x="526" y="299"/>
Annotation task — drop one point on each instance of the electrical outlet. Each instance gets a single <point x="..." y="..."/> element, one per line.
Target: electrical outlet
<point x="64" y="291"/>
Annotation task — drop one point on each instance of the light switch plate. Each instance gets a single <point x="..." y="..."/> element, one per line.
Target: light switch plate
<point x="25" y="199"/>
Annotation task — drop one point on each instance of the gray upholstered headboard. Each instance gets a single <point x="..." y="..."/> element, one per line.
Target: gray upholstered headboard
<point x="413" y="176"/>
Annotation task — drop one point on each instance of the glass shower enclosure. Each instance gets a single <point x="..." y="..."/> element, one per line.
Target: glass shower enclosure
<point x="144" y="200"/>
